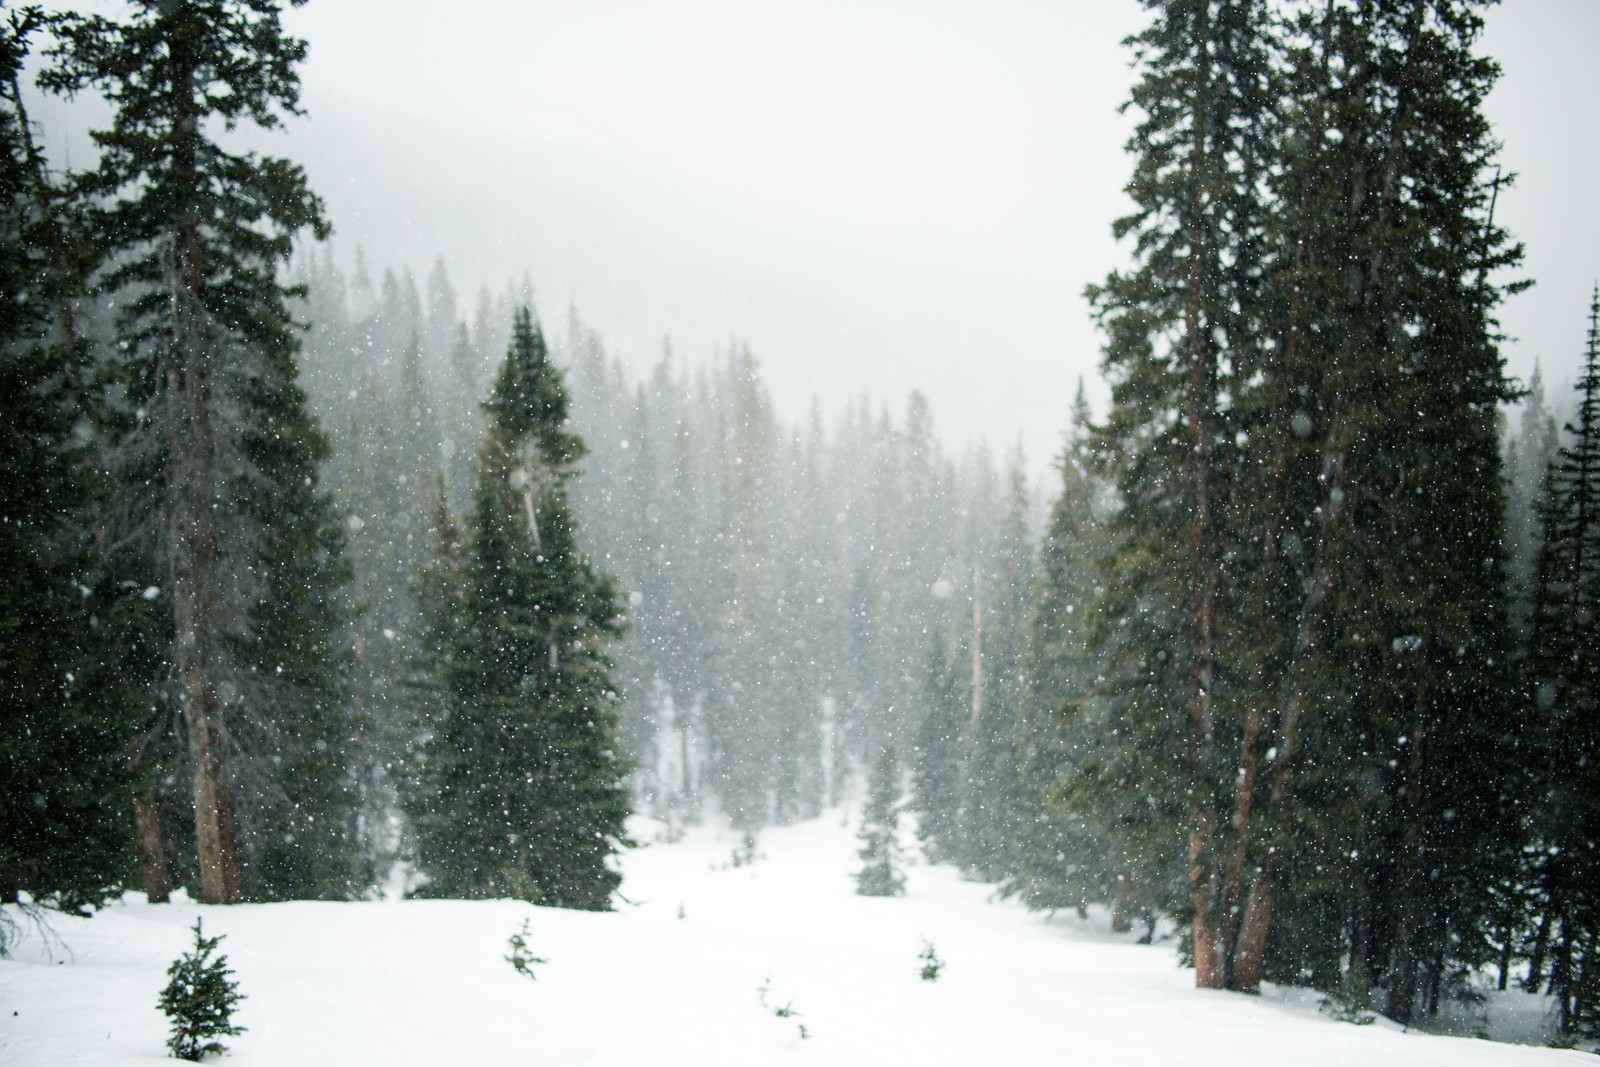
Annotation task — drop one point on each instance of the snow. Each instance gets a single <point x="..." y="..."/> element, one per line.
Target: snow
<point x="426" y="982"/>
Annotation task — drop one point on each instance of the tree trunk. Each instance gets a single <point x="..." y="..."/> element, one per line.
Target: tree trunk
<point x="1201" y="403"/>
<point x="1121" y="921"/>
<point x="1403" y="969"/>
<point x="1541" y="944"/>
<point x="1233" y="901"/>
<point x="194" y="539"/>
<point x="215" y="845"/>
<point x="1208" y="969"/>
<point x="152" y="851"/>
<point x="1250" y="953"/>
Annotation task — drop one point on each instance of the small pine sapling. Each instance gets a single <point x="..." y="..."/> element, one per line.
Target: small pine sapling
<point x="520" y="958"/>
<point x="931" y="963"/>
<point x="199" y="999"/>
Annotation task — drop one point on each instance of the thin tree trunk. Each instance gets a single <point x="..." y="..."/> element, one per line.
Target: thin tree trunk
<point x="1403" y="970"/>
<point x="1541" y="944"/>
<point x="194" y="541"/>
<point x="977" y="648"/>
<point x="1243" y="802"/>
<point x="1121" y="920"/>
<point x="1210" y="962"/>
<point x="152" y="851"/>
<point x="683" y="758"/>
<point x="1251" y="949"/>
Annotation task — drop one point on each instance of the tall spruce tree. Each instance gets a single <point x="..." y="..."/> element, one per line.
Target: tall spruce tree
<point x="1564" y="673"/>
<point x="936" y="763"/>
<point x="521" y="786"/>
<point x="215" y="453"/>
<point x="1182" y="333"/>
<point x="1374" y="730"/>
<point x="1063" y="858"/>
<point x="65" y="834"/>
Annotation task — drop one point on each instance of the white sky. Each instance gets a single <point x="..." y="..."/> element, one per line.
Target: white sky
<point x="875" y="196"/>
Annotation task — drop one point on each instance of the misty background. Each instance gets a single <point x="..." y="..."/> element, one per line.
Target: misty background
<point x="874" y="197"/>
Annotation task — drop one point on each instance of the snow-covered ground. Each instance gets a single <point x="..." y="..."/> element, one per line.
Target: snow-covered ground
<point x="673" y="977"/>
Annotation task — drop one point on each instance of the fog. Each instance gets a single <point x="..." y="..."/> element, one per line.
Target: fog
<point x="874" y="197"/>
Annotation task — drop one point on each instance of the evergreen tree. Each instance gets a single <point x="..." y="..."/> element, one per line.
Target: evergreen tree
<point x="1063" y="858"/>
<point x="1374" y="733"/>
<point x="992" y="805"/>
<point x="881" y="874"/>
<point x="215" y="453"/>
<point x="200" y="998"/>
<point x="1183" y="332"/>
<point x="1528" y="457"/>
<point x="65" y="718"/>
<point x="1304" y="368"/>
<point x="937" y="760"/>
<point x="1564" y="667"/>
<point x="521" y="784"/>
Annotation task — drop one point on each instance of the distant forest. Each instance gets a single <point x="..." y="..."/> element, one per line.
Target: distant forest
<point x="320" y="581"/>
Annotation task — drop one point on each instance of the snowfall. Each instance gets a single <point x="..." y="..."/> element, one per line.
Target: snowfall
<point x="705" y="963"/>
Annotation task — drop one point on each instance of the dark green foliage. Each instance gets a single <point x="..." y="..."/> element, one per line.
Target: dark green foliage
<point x="200" y="999"/>
<point x="1183" y="333"/>
<point x="1564" y="701"/>
<point x="1303" y="630"/>
<point x="1351" y="1000"/>
<point x="880" y="875"/>
<point x="217" y="507"/>
<point x="1063" y="855"/>
<point x="520" y="790"/>
<point x="65" y="720"/>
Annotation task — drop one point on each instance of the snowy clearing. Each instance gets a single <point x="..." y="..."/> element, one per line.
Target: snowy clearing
<point x="675" y="977"/>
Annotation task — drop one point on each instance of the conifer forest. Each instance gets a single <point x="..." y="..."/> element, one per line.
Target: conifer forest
<point x="334" y="579"/>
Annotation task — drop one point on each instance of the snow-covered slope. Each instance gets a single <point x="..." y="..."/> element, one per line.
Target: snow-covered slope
<point x="673" y="976"/>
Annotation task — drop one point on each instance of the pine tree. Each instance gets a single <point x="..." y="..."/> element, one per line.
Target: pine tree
<point x="65" y="718"/>
<point x="1564" y="666"/>
<point x="881" y="874"/>
<point x="1303" y="436"/>
<point x="215" y="452"/>
<point x="992" y="804"/>
<point x="521" y="786"/>
<point x="1374" y="504"/>
<point x="1183" y="331"/>
<point x="1528" y="457"/>
<point x="1063" y="858"/>
<point x="937" y="757"/>
<point x="200" y="998"/>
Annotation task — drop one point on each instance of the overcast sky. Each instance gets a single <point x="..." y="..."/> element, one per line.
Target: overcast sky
<point x="873" y="196"/>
